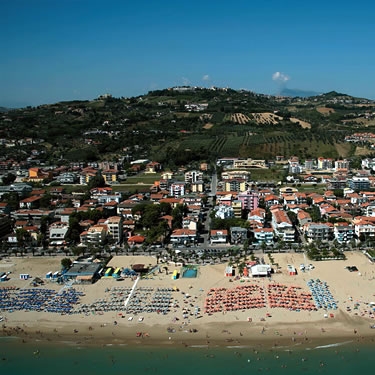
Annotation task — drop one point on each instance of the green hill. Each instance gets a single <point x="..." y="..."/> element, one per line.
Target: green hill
<point x="182" y="125"/>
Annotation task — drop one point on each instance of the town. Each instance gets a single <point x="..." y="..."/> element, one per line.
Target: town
<point x="210" y="214"/>
<point x="173" y="192"/>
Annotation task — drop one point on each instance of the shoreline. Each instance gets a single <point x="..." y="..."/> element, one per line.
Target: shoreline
<point x="187" y="323"/>
<point x="269" y="336"/>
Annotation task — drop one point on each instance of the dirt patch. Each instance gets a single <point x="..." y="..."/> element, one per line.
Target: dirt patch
<point x="343" y="149"/>
<point x="360" y="121"/>
<point x="304" y="124"/>
<point x="208" y="126"/>
<point x="361" y="151"/>
<point x="325" y="110"/>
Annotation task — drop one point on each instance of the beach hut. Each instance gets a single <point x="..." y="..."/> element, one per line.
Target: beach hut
<point x="229" y="272"/>
<point x="24" y="276"/>
<point x="87" y="279"/>
<point x="56" y="274"/>
<point x="49" y="275"/>
<point x="292" y="270"/>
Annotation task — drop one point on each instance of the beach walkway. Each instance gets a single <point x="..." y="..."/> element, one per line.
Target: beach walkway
<point x="131" y="292"/>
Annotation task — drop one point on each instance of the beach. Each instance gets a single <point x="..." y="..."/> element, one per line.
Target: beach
<point x="187" y="324"/>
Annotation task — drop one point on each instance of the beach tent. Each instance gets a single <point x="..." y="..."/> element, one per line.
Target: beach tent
<point x="117" y="273"/>
<point x="24" y="276"/>
<point x="108" y="272"/>
<point x="49" y="275"/>
<point x="260" y="270"/>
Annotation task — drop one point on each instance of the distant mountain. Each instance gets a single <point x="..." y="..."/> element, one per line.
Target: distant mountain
<point x="298" y="93"/>
<point x="3" y="109"/>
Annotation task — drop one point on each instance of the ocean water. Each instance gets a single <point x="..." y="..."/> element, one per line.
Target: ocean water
<point x="341" y="358"/>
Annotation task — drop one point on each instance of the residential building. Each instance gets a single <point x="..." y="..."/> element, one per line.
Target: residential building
<point x="258" y="215"/>
<point x="67" y="178"/>
<point x="110" y="175"/>
<point x="294" y="165"/>
<point x="303" y="218"/>
<point x="325" y="163"/>
<point x="249" y="199"/>
<point x="21" y="189"/>
<point x="238" y="235"/>
<point x="95" y="235"/>
<point x="309" y="164"/>
<point x="115" y="228"/>
<point x="197" y="187"/>
<point x="263" y="235"/>
<point x="248" y="163"/>
<point x="224" y="212"/>
<point x="193" y="176"/>
<point x="359" y="183"/>
<point x="318" y="232"/>
<point x="282" y="225"/>
<point x="364" y="228"/>
<point x="57" y="233"/>
<point x="30" y="202"/>
<point x="237" y="174"/>
<point x="218" y="236"/>
<point x="237" y="208"/>
<point x="184" y="237"/>
<point x="177" y="189"/>
<point x="235" y="184"/>
<point x="342" y="164"/>
<point x="343" y="232"/>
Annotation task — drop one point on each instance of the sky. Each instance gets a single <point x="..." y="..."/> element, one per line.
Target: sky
<point x="56" y="50"/>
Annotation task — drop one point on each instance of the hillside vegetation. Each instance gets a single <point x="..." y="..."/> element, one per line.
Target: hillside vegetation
<point x="177" y="126"/>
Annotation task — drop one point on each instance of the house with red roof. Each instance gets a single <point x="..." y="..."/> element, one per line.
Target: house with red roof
<point x="184" y="236"/>
<point x="218" y="236"/>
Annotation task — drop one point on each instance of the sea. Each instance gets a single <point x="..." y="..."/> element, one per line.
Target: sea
<point x="342" y="358"/>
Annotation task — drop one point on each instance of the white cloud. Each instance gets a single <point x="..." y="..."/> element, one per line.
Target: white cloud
<point x="206" y="77"/>
<point x="280" y="77"/>
<point x="185" y="81"/>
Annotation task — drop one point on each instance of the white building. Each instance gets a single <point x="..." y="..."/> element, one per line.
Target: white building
<point x="224" y="212"/>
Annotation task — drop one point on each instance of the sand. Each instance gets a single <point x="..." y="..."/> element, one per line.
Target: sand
<point x="272" y="327"/>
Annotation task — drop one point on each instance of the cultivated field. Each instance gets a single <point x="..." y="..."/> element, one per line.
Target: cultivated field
<point x="266" y="118"/>
<point x="240" y="118"/>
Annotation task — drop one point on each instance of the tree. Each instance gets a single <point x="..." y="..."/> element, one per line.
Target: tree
<point x="96" y="181"/>
<point x="292" y="217"/>
<point x="21" y="235"/>
<point x="9" y="179"/>
<point x="246" y="246"/>
<point x="45" y="201"/>
<point x="178" y="214"/>
<point x="66" y="263"/>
